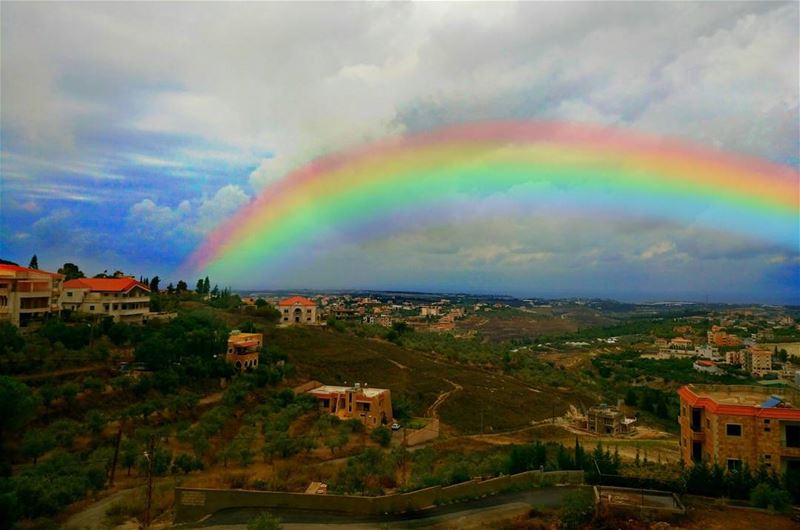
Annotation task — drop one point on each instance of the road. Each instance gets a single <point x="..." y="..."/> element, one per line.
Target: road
<point x="485" y="510"/>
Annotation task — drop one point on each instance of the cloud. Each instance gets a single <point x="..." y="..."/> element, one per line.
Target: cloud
<point x="157" y="121"/>
<point x="659" y="249"/>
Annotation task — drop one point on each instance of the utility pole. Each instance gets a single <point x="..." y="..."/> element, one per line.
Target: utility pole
<point x="150" y="456"/>
<point x="116" y="455"/>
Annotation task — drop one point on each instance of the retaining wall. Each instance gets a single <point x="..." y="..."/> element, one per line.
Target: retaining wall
<point x="192" y="504"/>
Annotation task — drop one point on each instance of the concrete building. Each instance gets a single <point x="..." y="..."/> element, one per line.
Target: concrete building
<point x="123" y="299"/>
<point x="297" y="310"/>
<point x="605" y="419"/>
<point x="372" y="406"/>
<point x="735" y="424"/>
<point x="28" y="294"/>
<point x="243" y="349"/>
<point x="757" y="361"/>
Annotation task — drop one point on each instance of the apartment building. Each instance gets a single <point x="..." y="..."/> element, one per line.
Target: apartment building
<point x="243" y="349"/>
<point x="757" y="361"/>
<point x="297" y="310"/>
<point x="372" y="406"/>
<point x="28" y="294"/>
<point x="123" y="299"/>
<point x="737" y="424"/>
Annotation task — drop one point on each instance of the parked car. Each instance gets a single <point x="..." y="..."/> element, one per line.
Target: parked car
<point x="395" y="426"/>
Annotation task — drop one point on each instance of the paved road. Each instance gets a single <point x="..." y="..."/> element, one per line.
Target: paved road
<point x="545" y="497"/>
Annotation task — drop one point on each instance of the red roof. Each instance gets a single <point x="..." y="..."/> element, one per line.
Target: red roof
<point x="297" y="300"/>
<point x="17" y="268"/>
<point x="113" y="285"/>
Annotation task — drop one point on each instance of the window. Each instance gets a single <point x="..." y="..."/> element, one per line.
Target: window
<point x="69" y="293"/>
<point x="734" y="464"/>
<point x="793" y="435"/>
<point x="91" y="308"/>
<point x="767" y="457"/>
<point x="733" y="429"/>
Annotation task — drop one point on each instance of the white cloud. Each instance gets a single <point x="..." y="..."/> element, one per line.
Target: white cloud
<point x="658" y="249"/>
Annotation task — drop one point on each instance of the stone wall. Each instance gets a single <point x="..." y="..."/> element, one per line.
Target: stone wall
<point x="192" y="504"/>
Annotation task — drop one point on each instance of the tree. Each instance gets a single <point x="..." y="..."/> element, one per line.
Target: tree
<point x="381" y="435"/>
<point x="199" y="288"/>
<point x="71" y="272"/>
<point x="130" y="453"/>
<point x="34" y="264"/>
<point x="37" y="442"/>
<point x="170" y="288"/>
<point x="17" y="405"/>
<point x="154" y="284"/>
<point x="181" y="287"/>
<point x="206" y="286"/>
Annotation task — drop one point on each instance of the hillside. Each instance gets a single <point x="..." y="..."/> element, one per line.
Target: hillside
<point x="334" y="358"/>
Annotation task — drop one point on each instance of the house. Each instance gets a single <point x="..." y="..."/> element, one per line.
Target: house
<point x="123" y="299"/>
<point x="243" y="349"/>
<point x="297" y="310"/>
<point x="372" y="406"/>
<point x="28" y="294"/>
<point x="706" y="366"/>
<point x="733" y="425"/>
<point x="605" y="419"/>
<point x="680" y="343"/>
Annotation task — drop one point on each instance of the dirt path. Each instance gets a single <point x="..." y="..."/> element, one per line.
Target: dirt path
<point x="65" y="371"/>
<point x="433" y="410"/>
<point x="93" y="517"/>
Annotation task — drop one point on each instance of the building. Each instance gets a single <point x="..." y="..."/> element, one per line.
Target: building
<point x="297" y="310"/>
<point x="707" y="352"/>
<point x="123" y="299"/>
<point x="734" y="357"/>
<point x="605" y="419"/>
<point x="680" y="343"/>
<point x="28" y="294"/>
<point x="372" y="406"/>
<point x="706" y="366"/>
<point x="757" y="361"/>
<point x="243" y="349"/>
<point x="735" y="424"/>
<point x="718" y="337"/>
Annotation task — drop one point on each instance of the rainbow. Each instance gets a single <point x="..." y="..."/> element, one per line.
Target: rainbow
<point x="549" y="166"/>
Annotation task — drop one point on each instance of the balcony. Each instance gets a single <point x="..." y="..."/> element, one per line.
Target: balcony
<point x="698" y="436"/>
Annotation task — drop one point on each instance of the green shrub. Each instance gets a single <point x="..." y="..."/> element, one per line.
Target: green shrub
<point x="264" y="521"/>
<point x="577" y="508"/>
<point x="381" y="435"/>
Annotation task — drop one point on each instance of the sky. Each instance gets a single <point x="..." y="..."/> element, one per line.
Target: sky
<point x="129" y="131"/>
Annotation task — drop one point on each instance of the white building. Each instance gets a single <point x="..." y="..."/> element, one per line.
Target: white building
<point x="123" y="299"/>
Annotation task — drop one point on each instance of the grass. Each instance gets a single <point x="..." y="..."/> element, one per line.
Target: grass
<point x="333" y="358"/>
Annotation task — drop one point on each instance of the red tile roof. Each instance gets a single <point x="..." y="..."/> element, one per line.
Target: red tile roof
<point x="297" y="300"/>
<point x="17" y="268"/>
<point x="113" y="285"/>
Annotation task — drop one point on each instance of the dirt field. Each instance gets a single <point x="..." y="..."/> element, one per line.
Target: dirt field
<point x="509" y="324"/>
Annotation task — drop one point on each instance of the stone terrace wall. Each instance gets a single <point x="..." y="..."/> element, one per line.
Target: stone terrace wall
<point x="192" y="504"/>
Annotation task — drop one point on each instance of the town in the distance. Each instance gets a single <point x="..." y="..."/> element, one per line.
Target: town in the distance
<point x="129" y="402"/>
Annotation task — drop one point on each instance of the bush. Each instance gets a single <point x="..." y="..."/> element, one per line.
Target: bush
<point x="381" y="435"/>
<point x="577" y="508"/>
<point x="264" y="521"/>
<point x="765" y="496"/>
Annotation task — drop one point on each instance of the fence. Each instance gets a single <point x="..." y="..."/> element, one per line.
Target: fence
<point x="192" y="504"/>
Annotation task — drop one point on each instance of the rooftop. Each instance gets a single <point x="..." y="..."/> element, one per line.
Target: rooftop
<point x="296" y="300"/>
<point x="109" y="285"/>
<point x="333" y="389"/>
<point x="744" y="399"/>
